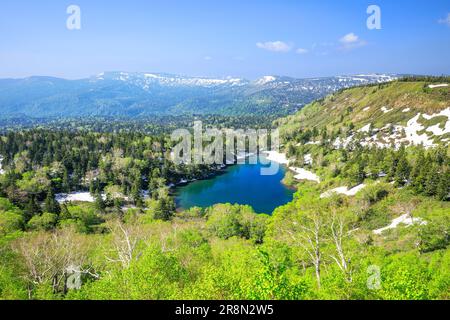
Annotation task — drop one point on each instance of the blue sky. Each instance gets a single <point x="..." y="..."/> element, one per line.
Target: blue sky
<point x="220" y="38"/>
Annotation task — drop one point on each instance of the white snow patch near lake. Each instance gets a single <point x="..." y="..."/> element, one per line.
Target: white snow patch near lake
<point x="406" y="110"/>
<point x="405" y="219"/>
<point x="75" y="196"/>
<point x="343" y="190"/>
<point x="301" y="174"/>
<point x="431" y="86"/>
<point x="276" y="157"/>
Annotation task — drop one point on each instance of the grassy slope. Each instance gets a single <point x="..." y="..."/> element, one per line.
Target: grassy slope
<point x="339" y="109"/>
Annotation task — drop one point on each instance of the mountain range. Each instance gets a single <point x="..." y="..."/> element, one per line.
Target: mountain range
<point x="143" y="94"/>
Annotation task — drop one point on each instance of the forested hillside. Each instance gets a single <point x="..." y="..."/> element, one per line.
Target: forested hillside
<point x="374" y="225"/>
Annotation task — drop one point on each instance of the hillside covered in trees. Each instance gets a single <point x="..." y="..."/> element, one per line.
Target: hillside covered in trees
<point x="375" y="226"/>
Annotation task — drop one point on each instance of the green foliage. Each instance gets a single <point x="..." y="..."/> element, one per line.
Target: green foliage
<point x="374" y="192"/>
<point x="44" y="222"/>
<point x="11" y="218"/>
<point x="435" y="235"/>
<point x="405" y="278"/>
<point x="226" y="221"/>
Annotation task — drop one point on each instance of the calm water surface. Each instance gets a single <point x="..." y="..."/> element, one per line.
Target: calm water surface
<point x="242" y="184"/>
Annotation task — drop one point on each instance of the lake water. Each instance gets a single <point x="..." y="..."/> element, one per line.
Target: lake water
<point x="241" y="184"/>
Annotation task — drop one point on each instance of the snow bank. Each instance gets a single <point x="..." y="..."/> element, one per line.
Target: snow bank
<point x="75" y="196"/>
<point x="276" y="157"/>
<point x="431" y="86"/>
<point x="405" y="219"/>
<point x="411" y="129"/>
<point x="265" y="79"/>
<point x="308" y="159"/>
<point x="302" y="174"/>
<point x="310" y="142"/>
<point x="386" y="110"/>
<point x="343" y="190"/>
<point x="411" y="132"/>
<point x="1" y="167"/>
<point x="366" y="128"/>
<point x="445" y="113"/>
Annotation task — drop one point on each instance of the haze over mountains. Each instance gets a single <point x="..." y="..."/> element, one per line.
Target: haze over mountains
<point x="143" y="94"/>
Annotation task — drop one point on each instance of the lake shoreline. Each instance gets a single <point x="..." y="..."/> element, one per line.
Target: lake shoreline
<point x="241" y="185"/>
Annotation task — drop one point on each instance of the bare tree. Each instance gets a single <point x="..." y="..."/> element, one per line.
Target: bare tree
<point x="338" y="234"/>
<point x="306" y="230"/>
<point x="126" y="239"/>
<point x="48" y="257"/>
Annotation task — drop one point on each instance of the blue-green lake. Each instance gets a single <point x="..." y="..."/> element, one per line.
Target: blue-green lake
<point x="241" y="184"/>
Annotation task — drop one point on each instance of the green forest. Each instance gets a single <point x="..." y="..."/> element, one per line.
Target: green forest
<point x="132" y="242"/>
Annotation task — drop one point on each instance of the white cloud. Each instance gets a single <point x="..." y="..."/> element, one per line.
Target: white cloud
<point x="207" y="58"/>
<point x="445" y="20"/>
<point x="349" y="38"/>
<point x="351" y="41"/>
<point x="301" y="51"/>
<point x="275" y="46"/>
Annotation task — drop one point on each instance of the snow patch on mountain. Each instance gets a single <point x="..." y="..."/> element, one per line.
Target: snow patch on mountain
<point x="385" y="109"/>
<point x="146" y="80"/>
<point x="414" y="133"/>
<point x="1" y="165"/>
<point x="431" y="86"/>
<point x="405" y="219"/>
<point x="303" y="174"/>
<point x="265" y="79"/>
<point x="300" y="173"/>
<point x="366" y="128"/>
<point x="343" y="190"/>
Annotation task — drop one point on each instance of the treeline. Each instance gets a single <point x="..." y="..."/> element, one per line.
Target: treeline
<point x="154" y="125"/>
<point x="432" y="79"/>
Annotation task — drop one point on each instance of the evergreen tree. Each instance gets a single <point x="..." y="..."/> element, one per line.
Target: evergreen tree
<point x="50" y="204"/>
<point x="443" y="186"/>
<point x="99" y="202"/>
<point x="432" y="181"/>
<point x="402" y="171"/>
<point x="31" y="208"/>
